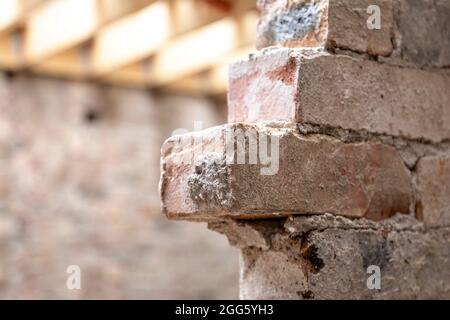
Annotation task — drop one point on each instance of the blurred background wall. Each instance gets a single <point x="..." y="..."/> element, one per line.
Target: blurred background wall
<point x="79" y="170"/>
<point x="89" y="90"/>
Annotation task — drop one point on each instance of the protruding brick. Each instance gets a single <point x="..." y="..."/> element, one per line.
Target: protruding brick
<point x="309" y="175"/>
<point x="433" y="186"/>
<point x="340" y="91"/>
<point x="325" y="23"/>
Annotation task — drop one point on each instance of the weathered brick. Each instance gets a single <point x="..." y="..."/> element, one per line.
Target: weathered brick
<point x="330" y="23"/>
<point x="340" y="91"/>
<point x="433" y="186"/>
<point x="314" y="174"/>
<point x="329" y="259"/>
<point x="424" y="26"/>
<point x="263" y="88"/>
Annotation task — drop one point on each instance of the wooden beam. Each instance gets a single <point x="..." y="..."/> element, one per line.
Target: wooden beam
<point x="11" y="50"/>
<point x="10" y="12"/>
<point x="72" y="64"/>
<point x="13" y="13"/>
<point x="57" y="26"/>
<point x="191" y="14"/>
<point x="114" y="9"/>
<point x="182" y="45"/>
<point x="8" y="60"/>
<point x="142" y="34"/>
<point x="212" y="82"/>
<point x="207" y="50"/>
<point x="135" y="75"/>
<point x="132" y="38"/>
<point x="202" y="49"/>
<point x="74" y="59"/>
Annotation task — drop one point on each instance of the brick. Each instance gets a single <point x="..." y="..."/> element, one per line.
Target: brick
<point x="433" y="187"/>
<point x="424" y="26"/>
<point x="325" y="23"/>
<point x="81" y="189"/>
<point x="314" y="174"/>
<point x="340" y="91"/>
<point x="263" y="88"/>
<point x="330" y="259"/>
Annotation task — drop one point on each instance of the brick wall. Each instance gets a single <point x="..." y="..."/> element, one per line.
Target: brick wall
<point x="79" y="171"/>
<point x="340" y="134"/>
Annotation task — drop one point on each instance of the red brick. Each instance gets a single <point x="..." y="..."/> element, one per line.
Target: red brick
<point x="340" y="91"/>
<point x="316" y="174"/>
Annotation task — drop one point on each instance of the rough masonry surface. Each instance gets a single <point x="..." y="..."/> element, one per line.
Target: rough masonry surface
<point x="325" y="23"/>
<point x="362" y="118"/>
<point x="340" y="91"/>
<point x="327" y="257"/>
<point x="433" y="185"/>
<point x="316" y="174"/>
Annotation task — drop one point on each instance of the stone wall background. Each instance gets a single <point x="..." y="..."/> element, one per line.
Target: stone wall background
<point x="79" y="171"/>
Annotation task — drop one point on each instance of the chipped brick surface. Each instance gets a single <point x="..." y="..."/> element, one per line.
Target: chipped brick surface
<point x="316" y="174"/>
<point x="340" y="91"/>
<point x="269" y="80"/>
<point x="292" y="23"/>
